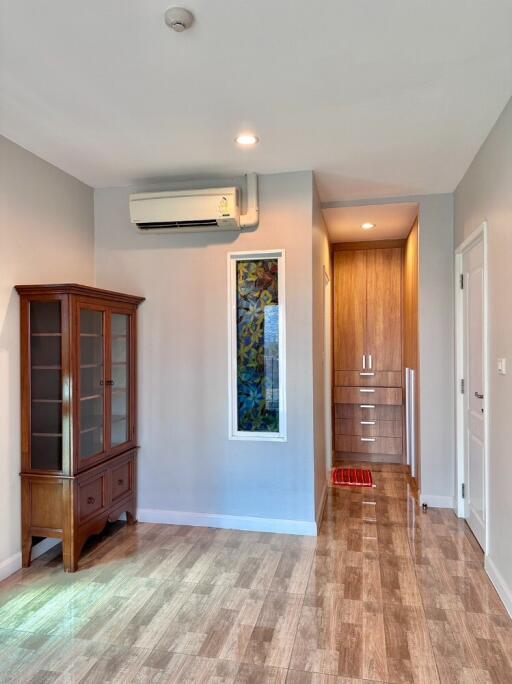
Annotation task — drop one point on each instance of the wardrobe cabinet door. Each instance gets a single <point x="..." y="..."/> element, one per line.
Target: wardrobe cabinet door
<point x="349" y="309"/>
<point x="384" y="308"/>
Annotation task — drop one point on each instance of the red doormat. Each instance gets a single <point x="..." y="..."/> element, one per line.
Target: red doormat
<point x="352" y="477"/>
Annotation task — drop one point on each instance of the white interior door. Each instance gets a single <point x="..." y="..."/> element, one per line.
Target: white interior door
<point x="474" y="400"/>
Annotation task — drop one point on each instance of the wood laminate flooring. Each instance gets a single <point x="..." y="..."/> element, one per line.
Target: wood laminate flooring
<point x="386" y="593"/>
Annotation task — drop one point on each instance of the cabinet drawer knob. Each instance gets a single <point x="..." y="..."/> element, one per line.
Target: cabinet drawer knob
<point x="91" y="500"/>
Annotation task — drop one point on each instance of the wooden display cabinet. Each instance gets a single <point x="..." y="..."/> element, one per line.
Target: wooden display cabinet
<point x="78" y="413"/>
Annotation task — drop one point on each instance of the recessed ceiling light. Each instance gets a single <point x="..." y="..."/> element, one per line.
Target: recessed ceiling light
<point x="367" y="226"/>
<point x="246" y="139"/>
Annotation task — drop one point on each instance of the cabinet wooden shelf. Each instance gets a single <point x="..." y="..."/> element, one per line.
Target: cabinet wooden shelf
<point x="79" y="438"/>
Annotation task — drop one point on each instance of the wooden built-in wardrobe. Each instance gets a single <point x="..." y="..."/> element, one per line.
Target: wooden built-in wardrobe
<point x="368" y="352"/>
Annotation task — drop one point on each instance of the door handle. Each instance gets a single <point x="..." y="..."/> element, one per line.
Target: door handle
<point x="364" y="361"/>
<point x="370" y="406"/>
<point x="370" y="361"/>
<point x="479" y="396"/>
<point x="367" y="422"/>
<point x="370" y="391"/>
<point x="367" y="439"/>
<point x="365" y="374"/>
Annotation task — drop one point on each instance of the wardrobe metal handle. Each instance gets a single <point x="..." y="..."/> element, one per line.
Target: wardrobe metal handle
<point x="364" y="361"/>
<point x="367" y="439"/>
<point x="367" y="422"/>
<point x="370" y="361"/>
<point x="367" y="390"/>
<point x="366" y="405"/>
<point x="367" y="373"/>
<point x="479" y="396"/>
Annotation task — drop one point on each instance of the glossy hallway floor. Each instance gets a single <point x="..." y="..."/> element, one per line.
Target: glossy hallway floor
<point x="384" y="594"/>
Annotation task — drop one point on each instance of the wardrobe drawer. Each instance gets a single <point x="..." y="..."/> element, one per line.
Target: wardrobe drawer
<point x="368" y="427"/>
<point x="121" y="480"/>
<point x="368" y="445"/>
<point x="376" y="412"/>
<point x="368" y="378"/>
<point x="92" y="495"/>
<point x="368" y="395"/>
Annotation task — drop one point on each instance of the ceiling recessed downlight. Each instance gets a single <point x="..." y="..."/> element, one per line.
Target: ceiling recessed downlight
<point x="246" y="139"/>
<point x="367" y="226"/>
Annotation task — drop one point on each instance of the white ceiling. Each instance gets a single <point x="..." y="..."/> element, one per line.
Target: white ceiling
<point x="379" y="98"/>
<point x="392" y="221"/>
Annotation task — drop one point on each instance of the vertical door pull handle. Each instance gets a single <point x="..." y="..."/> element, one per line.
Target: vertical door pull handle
<point x="370" y="361"/>
<point x="364" y="361"/>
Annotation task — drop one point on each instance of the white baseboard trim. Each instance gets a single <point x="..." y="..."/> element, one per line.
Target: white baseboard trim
<point x="10" y="565"/>
<point x="435" y="501"/>
<point x="504" y="592"/>
<point x="13" y="563"/>
<point x="228" y="522"/>
<point x="44" y="546"/>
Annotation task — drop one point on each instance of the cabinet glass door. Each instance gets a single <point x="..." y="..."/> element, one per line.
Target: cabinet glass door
<point x="120" y="387"/>
<point x="46" y="385"/>
<point x="92" y="383"/>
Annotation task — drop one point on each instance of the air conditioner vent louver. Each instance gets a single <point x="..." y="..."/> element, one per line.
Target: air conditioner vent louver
<point x="177" y="225"/>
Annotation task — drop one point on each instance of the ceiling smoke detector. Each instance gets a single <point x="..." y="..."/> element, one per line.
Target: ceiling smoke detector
<point x="179" y="19"/>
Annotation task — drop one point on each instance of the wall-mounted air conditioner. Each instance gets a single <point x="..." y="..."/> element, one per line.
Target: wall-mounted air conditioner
<point x="194" y="211"/>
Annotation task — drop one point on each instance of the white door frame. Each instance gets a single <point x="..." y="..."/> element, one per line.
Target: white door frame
<point x="480" y="234"/>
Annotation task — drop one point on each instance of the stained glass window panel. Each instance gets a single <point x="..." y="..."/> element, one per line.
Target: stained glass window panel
<point x="257" y="345"/>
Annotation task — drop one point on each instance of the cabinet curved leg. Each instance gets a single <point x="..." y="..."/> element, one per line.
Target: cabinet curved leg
<point x="26" y="550"/>
<point x="130" y="518"/>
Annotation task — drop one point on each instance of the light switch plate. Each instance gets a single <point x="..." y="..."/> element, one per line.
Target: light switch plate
<point x="502" y="366"/>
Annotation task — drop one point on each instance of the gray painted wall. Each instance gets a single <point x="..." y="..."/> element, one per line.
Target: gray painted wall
<point x="46" y="235"/>
<point x="187" y="462"/>
<point x="485" y="193"/>
<point x="321" y="352"/>
<point x="436" y="349"/>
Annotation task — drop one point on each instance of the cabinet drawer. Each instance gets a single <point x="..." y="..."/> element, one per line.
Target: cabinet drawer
<point x="368" y="427"/>
<point x="92" y="497"/>
<point x="368" y="445"/>
<point x="377" y="412"/>
<point x="368" y="395"/>
<point x="368" y="378"/>
<point x="121" y="480"/>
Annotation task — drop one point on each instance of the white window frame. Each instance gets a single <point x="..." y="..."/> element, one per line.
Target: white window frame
<point x="234" y="432"/>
